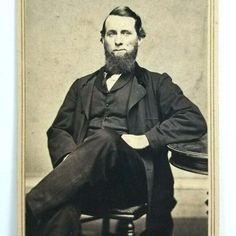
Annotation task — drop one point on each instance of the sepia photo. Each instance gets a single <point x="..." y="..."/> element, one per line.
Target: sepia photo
<point x="117" y="118"/>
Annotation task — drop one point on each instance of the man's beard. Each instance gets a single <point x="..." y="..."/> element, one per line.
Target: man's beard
<point x="120" y="64"/>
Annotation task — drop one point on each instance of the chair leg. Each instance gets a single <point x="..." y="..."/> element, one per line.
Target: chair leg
<point x="125" y="228"/>
<point x="105" y="226"/>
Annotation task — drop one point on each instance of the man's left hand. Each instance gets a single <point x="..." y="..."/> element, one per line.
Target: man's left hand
<point x="135" y="141"/>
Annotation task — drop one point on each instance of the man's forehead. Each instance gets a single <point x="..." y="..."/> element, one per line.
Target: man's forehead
<point x="120" y="22"/>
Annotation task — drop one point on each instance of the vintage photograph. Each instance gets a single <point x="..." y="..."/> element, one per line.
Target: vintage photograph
<point x="116" y="118"/>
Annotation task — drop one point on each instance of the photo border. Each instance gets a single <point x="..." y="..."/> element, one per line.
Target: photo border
<point x="213" y="155"/>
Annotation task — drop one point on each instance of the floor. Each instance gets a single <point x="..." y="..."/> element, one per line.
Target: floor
<point x="183" y="227"/>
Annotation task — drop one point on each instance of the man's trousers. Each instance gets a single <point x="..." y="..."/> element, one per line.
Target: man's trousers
<point x="102" y="172"/>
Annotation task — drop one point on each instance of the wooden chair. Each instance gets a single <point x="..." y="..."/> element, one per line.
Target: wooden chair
<point x="125" y="217"/>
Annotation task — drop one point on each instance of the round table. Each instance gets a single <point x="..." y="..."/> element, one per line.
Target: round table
<point x="190" y="156"/>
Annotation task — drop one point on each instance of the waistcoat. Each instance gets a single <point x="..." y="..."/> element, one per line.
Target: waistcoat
<point x="109" y="108"/>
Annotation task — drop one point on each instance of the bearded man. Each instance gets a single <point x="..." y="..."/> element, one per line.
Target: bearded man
<point x="108" y="141"/>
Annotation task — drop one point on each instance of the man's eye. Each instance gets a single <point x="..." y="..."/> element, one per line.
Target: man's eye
<point x="126" y="33"/>
<point x="110" y="34"/>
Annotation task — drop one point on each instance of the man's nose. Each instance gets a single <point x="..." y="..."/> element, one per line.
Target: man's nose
<point x="118" y="40"/>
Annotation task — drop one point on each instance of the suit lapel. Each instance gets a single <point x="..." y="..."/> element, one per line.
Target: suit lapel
<point x="136" y="94"/>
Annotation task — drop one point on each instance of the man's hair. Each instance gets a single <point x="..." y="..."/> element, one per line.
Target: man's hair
<point x="125" y="11"/>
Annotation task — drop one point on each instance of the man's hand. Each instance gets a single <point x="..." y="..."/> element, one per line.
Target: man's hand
<point x="135" y="141"/>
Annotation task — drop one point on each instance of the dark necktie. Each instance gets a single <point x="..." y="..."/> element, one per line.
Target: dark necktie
<point x="104" y="81"/>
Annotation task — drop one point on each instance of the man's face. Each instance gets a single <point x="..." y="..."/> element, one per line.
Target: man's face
<point x="120" y="37"/>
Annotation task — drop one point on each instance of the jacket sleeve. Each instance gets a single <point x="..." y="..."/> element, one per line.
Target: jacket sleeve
<point x="60" y="138"/>
<point x="181" y="120"/>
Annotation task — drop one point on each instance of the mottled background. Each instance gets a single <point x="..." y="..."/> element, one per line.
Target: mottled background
<point x="62" y="44"/>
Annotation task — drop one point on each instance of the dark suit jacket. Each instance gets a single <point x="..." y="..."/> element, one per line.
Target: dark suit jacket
<point x="157" y="108"/>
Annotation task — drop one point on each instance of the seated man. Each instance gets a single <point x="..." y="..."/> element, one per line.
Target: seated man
<point x="110" y="125"/>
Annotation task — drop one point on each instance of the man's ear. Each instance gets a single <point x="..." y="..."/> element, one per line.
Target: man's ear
<point x="140" y="40"/>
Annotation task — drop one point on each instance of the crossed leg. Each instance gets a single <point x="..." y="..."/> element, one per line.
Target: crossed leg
<point x="102" y="158"/>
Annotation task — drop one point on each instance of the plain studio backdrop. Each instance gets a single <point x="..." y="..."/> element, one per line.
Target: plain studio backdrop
<point x="62" y="43"/>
